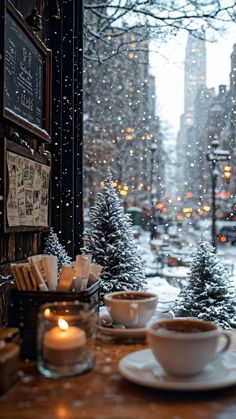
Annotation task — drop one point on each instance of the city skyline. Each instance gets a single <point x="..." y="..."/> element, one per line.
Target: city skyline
<point x="167" y="65"/>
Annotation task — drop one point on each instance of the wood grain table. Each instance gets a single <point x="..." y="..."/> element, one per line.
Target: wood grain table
<point x="103" y="393"/>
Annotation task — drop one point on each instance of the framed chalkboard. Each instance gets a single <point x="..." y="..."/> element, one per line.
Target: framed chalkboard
<point x="25" y="75"/>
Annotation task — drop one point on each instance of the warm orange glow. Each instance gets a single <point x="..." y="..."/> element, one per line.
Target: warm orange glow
<point x="129" y="129"/>
<point x="63" y="324"/>
<point x="179" y="217"/>
<point x="126" y="188"/>
<point x="123" y="193"/>
<point x="228" y="173"/>
<point x="149" y="188"/>
<point x="62" y="412"/>
<point x="189" y="195"/>
<point x="129" y="137"/>
<point x="223" y="239"/>
<point x="227" y="176"/>
<point x="187" y="210"/>
<point x="47" y="312"/>
<point x="160" y="205"/>
<point x="200" y="212"/>
<point x="206" y="208"/>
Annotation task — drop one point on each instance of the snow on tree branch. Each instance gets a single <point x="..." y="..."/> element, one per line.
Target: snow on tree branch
<point x="209" y="293"/>
<point x="109" y="238"/>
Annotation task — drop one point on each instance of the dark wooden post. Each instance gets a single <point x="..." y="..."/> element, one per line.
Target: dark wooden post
<point x="214" y="175"/>
<point x="65" y="39"/>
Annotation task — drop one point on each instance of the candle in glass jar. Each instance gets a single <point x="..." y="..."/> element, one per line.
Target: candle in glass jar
<point x="63" y="344"/>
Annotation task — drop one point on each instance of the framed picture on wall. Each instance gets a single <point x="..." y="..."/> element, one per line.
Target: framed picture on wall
<point x="26" y="192"/>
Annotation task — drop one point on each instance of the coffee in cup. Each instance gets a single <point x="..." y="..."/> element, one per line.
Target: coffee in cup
<point x="184" y="346"/>
<point x="132" y="309"/>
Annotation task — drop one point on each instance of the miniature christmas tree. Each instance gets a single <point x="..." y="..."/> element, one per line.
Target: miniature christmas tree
<point x="209" y="293"/>
<point x="53" y="247"/>
<point x="109" y="238"/>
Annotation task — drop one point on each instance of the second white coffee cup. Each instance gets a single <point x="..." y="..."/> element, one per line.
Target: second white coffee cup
<point x="132" y="309"/>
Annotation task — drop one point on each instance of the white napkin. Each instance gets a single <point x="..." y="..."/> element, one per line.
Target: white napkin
<point x="50" y="267"/>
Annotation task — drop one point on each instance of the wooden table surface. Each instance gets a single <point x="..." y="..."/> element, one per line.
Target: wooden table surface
<point x="103" y="394"/>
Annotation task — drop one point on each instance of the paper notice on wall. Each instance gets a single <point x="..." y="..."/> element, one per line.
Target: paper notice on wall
<point x="12" y="200"/>
<point x="28" y="192"/>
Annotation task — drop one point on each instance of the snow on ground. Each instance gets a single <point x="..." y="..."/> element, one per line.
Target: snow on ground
<point x="157" y="284"/>
<point x="227" y="254"/>
<point x="160" y="284"/>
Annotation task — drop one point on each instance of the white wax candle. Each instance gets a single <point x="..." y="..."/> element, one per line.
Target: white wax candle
<point x="71" y="338"/>
<point x="63" y="346"/>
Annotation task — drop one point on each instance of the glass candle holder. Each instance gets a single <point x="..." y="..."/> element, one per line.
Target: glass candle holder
<point x="66" y="339"/>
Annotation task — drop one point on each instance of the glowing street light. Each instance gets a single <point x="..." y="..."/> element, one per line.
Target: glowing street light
<point x="228" y="173"/>
<point x="214" y="156"/>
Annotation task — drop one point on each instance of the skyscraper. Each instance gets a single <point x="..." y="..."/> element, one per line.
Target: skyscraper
<point x="194" y="74"/>
<point x="194" y="81"/>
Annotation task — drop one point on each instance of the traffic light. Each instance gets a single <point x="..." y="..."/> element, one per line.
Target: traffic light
<point x="228" y="173"/>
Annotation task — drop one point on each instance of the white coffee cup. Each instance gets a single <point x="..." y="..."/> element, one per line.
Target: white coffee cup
<point x="132" y="309"/>
<point x="184" y="346"/>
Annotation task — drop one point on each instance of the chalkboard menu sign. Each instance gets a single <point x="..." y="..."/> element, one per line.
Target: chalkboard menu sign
<point x="23" y="74"/>
<point x="25" y="71"/>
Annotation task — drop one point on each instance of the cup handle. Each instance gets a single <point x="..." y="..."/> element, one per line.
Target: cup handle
<point x="134" y="313"/>
<point x="226" y="345"/>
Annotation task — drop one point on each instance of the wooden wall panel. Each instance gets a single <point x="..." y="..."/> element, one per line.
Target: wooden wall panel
<point x="11" y="247"/>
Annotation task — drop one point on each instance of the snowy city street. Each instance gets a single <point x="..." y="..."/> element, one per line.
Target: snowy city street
<point x="166" y="280"/>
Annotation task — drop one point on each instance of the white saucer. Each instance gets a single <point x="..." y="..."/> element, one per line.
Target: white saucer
<point x="141" y="368"/>
<point x="122" y="332"/>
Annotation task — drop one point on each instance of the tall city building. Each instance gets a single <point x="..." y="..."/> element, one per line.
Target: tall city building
<point x="232" y="104"/>
<point x="194" y="82"/>
<point x="194" y="74"/>
<point x="120" y="123"/>
<point x="228" y="135"/>
<point x="199" y="145"/>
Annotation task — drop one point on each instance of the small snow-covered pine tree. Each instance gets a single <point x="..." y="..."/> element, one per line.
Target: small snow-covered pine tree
<point x="110" y="240"/>
<point x="54" y="247"/>
<point x="209" y="293"/>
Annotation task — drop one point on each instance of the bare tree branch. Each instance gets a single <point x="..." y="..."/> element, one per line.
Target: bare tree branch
<point x="159" y="19"/>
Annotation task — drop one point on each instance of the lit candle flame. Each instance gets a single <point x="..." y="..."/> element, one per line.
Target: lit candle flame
<point x="63" y="324"/>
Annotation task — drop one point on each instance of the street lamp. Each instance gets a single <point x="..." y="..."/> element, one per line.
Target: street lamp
<point x="153" y="149"/>
<point x="214" y="156"/>
<point x="228" y="173"/>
